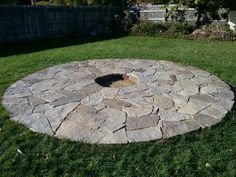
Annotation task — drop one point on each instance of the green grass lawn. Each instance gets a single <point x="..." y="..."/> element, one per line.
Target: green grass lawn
<point x="208" y="152"/>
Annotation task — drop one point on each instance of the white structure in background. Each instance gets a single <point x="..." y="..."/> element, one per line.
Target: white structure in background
<point x="232" y="20"/>
<point x="156" y="13"/>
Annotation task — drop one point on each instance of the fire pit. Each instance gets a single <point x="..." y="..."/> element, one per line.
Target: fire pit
<point x="118" y="101"/>
<point x="117" y="80"/>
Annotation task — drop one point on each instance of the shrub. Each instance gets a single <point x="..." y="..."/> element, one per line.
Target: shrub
<point x="147" y="28"/>
<point x="178" y="28"/>
<point x="215" y="31"/>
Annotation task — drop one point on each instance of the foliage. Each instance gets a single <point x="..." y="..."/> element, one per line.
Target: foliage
<point x="148" y="28"/>
<point x="65" y="2"/>
<point x="215" y="31"/>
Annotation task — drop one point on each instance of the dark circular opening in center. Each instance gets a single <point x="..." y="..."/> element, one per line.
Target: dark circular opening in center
<point x="116" y="80"/>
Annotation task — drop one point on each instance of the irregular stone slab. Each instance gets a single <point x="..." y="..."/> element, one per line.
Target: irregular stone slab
<point x="163" y="102"/>
<point x="18" y="90"/>
<point x="42" y="86"/>
<point x="190" y="88"/>
<point x="208" y="90"/>
<point x="171" y="128"/>
<point x="110" y="119"/>
<point x="50" y="96"/>
<point x="99" y="106"/>
<point x="42" y="108"/>
<point x="35" y="101"/>
<point x="228" y="95"/>
<point x="19" y="107"/>
<point x="149" y="72"/>
<point x="139" y="101"/>
<point x="227" y="104"/>
<point x="137" y="111"/>
<point x="203" y="98"/>
<point x="37" y="122"/>
<point x="167" y="115"/>
<point x="119" y="137"/>
<point x="109" y="93"/>
<point x="117" y="104"/>
<point x="93" y="99"/>
<point x="83" y="115"/>
<point x="205" y="120"/>
<point x="134" y="95"/>
<point x="193" y="107"/>
<point x="185" y="75"/>
<point x="159" y="91"/>
<point x="58" y="114"/>
<point x="213" y="112"/>
<point x="90" y="89"/>
<point x="179" y="100"/>
<point x="132" y="89"/>
<point x="70" y="99"/>
<point x="66" y="101"/>
<point x="135" y="123"/>
<point x="147" y="134"/>
<point x="76" y="132"/>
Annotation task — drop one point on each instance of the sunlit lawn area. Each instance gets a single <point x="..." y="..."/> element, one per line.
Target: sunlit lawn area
<point x="208" y="152"/>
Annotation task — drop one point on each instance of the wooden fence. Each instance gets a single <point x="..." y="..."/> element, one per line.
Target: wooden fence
<point x="19" y="23"/>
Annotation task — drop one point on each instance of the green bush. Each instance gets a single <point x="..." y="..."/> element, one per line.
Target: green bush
<point x="147" y="28"/>
<point x="43" y="3"/>
<point x="178" y="28"/>
<point x="215" y="31"/>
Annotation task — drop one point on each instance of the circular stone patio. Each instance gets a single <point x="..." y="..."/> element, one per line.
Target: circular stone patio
<point x="118" y="101"/>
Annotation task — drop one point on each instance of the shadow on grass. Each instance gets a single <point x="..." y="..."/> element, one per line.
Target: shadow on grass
<point x="50" y="43"/>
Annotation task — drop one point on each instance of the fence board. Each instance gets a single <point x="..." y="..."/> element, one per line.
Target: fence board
<point x="18" y="23"/>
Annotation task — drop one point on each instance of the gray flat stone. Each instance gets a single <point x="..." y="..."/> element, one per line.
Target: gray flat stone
<point x="132" y="89"/>
<point x="50" y="96"/>
<point x="171" y="128"/>
<point x="226" y="95"/>
<point x="42" y="108"/>
<point x="42" y="86"/>
<point x="93" y="99"/>
<point x="35" y="101"/>
<point x="179" y="100"/>
<point x="193" y="107"/>
<point x="205" y="120"/>
<point x="90" y="89"/>
<point x="135" y="123"/>
<point x="190" y="88"/>
<point x="147" y="134"/>
<point x="76" y="132"/>
<point x="159" y="91"/>
<point x="119" y="137"/>
<point x="167" y="115"/>
<point x="137" y="111"/>
<point x="163" y="102"/>
<point x="110" y="119"/>
<point x="204" y="98"/>
<point x="58" y="114"/>
<point x="37" y="122"/>
<point x="110" y="93"/>
<point x="117" y="104"/>
<point x="70" y="99"/>
<point x="214" y="112"/>
<point x="83" y="115"/>
<point x="139" y="101"/>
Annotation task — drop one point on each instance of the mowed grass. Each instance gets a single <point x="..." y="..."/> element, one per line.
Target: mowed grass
<point x="208" y="152"/>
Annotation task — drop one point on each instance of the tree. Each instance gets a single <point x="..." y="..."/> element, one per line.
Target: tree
<point x="207" y="10"/>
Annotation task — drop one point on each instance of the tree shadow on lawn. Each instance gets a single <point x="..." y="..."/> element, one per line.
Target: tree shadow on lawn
<point x="25" y="47"/>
